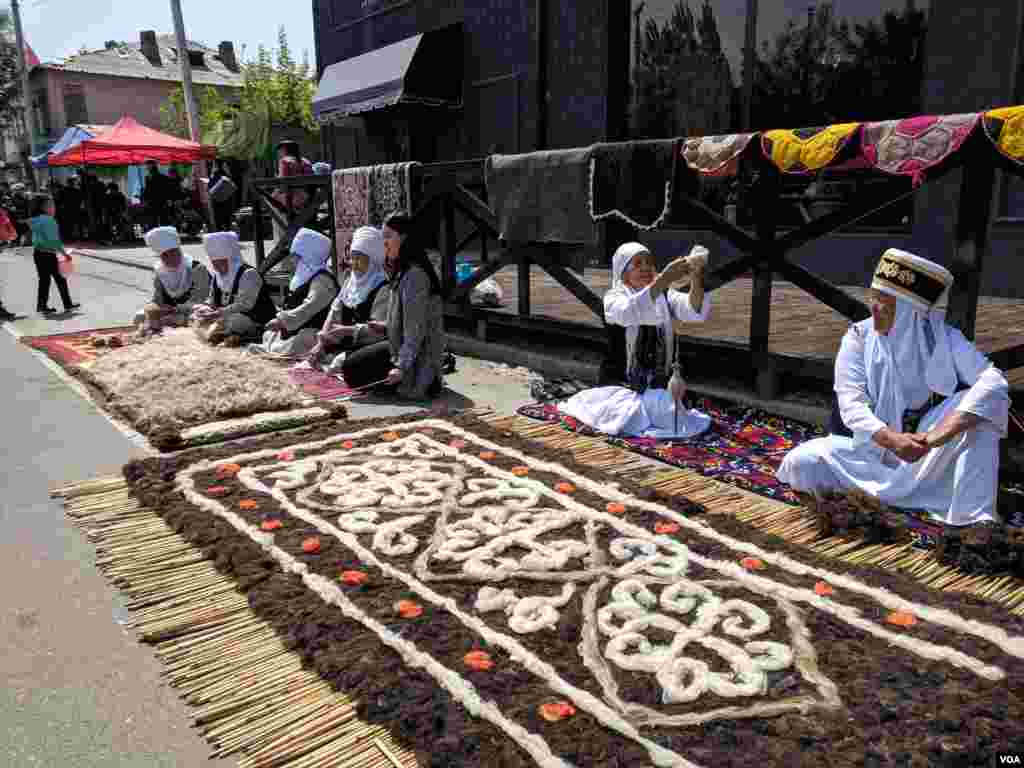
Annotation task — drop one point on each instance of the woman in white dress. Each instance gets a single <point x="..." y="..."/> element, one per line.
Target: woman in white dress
<point x="641" y="306"/>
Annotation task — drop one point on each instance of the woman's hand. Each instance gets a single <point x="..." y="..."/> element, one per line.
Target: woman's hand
<point x="315" y="353"/>
<point x="394" y="376"/>
<point x="275" y="325"/>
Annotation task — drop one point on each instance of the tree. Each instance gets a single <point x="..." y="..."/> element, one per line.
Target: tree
<point x="212" y="106"/>
<point x="275" y="79"/>
<point x="111" y="45"/>
<point x="10" y="77"/>
<point x="827" y="71"/>
<point x="683" y="81"/>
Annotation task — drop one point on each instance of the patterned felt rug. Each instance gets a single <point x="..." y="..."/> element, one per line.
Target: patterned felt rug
<point x="743" y="447"/>
<point x="322" y="386"/>
<point x="487" y="601"/>
<point x="80" y="348"/>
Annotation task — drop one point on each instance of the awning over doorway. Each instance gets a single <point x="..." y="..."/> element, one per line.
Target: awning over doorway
<point x="423" y="69"/>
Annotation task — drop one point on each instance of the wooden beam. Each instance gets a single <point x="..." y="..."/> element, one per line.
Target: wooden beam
<point x="1008" y="359"/>
<point x="574" y="285"/>
<point x="846" y="305"/>
<point x="731" y="271"/>
<point x="524" y="283"/>
<point x="717" y="224"/>
<point x="302" y="218"/>
<point x="449" y="278"/>
<point x="465" y="288"/>
<point x="766" y="196"/>
<point x="975" y="213"/>
<point x="476" y="209"/>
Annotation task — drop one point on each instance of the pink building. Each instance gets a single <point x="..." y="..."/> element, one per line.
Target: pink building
<point x="100" y="86"/>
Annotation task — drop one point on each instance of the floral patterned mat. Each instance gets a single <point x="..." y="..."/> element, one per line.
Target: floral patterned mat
<point x="743" y="447"/>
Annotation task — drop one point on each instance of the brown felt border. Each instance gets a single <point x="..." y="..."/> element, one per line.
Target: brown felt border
<point x="152" y="479"/>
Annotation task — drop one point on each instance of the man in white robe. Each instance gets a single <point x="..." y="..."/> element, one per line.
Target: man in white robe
<point x="650" y="312"/>
<point x="897" y="362"/>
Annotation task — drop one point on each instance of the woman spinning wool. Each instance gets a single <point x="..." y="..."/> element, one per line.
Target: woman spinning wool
<point x="359" y="315"/>
<point x="175" y="286"/>
<point x="293" y="333"/>
<point x="643" y="309"/>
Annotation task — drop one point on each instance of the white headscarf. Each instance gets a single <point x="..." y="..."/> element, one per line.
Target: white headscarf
<point x="224" y="245"/>
<point x="178" y="281"/>
<point x="370" y="242"/>
<point x="313" y="250"/>
<point x="915" y="358"/>
<point x="624" y="255"/>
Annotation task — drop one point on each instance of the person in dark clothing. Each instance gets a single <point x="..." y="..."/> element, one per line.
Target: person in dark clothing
<point x="72" y="212"/>
<point x="411" y="361"/>
<point x="156" y="196"/>
<point x="115" y="204"/>
<point x="47" y="243"/>
<point x="223" y="209"/>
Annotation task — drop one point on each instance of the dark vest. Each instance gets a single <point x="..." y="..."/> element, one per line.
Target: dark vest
<point x="298" y="296"/>
<point x="167" y="300"/>
<point x="648" y="367"/>
<point x="262" y="313"/>
<point x="361" y="313"/>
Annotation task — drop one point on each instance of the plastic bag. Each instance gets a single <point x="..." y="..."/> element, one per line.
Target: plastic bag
<point x="487" y="294"/>
<point x="66" y="267"/>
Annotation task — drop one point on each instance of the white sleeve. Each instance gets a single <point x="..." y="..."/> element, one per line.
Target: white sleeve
<point x="851" y="387"/>
<point x="626" y="309"/>
<point x="682" y="309"/>
<point x="989" y="393"/>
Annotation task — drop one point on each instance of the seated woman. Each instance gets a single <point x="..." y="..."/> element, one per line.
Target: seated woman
<point x="647" y="312"/>
<point x="239" y="303"/>
<point x="410" y="361"/>
<point x="177" y="286"/>
<point x="293" y="333"/>
<point x="359" y="315"/>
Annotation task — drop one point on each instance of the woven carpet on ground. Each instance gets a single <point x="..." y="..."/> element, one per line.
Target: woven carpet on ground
<point x="493" y="602"/>
<point x="79" y="348"/>
<point x="743" y="447"/>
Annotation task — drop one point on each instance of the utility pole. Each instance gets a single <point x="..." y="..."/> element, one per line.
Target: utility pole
<point x="190" y="100"/>
<point x="749" y="57"/>
<point x="26" y="98"/>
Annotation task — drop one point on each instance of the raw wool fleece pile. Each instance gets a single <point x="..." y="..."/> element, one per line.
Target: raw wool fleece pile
<point x="175" y="381"/>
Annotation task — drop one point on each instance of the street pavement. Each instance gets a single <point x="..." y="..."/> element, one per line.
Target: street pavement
<point x="76" y="688"/>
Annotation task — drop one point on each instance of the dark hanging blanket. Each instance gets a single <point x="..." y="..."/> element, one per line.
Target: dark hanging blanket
<point x="633" y="181"/>
<point x="541" y="197"/>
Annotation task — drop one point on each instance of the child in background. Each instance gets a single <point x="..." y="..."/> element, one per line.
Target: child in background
<point x="47" y="244"/>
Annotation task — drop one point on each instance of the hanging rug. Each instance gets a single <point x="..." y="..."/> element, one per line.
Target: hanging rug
<point x="492" y="602"/>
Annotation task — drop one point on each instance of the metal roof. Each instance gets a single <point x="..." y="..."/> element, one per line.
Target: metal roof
<point x="130" y="62"/>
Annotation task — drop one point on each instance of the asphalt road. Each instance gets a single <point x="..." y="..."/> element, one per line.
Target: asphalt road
<point x="76" y="689"/>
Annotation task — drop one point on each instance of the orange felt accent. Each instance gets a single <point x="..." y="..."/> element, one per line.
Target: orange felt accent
<point x="407" y="609"/>
<point x="565" y="487"/>
<point x="311" y="545"/>
<point x="478" y="660"/>
<point x="227" y="470"/>
<point x="520" y="471"/>
<point x="271" y="525"/>
<point x="247" y="504"/>
<point x="614" y="508"/>
<point x="752" y="564"/>
<point x="348" y="445"/>
<point x="901" y="619"/>
<point x="823" y="589"/>
<point x="353" y="578"/>
<point x="664" y="527"/>
<point x="389" y="437"/>
<point x="556" y="710"/>
<point x="488" y="455"/>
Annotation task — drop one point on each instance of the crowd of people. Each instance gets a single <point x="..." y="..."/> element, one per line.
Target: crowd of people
<point x="379" y="324"/>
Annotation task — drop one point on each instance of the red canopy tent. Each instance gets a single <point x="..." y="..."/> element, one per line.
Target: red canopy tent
<point x="129" y="142"/>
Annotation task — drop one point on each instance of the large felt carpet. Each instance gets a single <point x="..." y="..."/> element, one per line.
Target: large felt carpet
<point x="487" y="601"/>
<point x="743" y="447"/>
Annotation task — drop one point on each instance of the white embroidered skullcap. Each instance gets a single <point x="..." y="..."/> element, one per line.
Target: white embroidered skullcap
<point x="222" y="245"/>
<point x="919" y="281"/>
<point x="163" y="239"/>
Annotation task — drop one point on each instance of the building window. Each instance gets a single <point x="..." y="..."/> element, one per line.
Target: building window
<point x="196" y="59"/>
<point x="75" y="111"/>
<point x="40" y="114"/>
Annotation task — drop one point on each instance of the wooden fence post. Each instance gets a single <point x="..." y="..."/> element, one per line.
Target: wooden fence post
<point x="975" y="211"/>
<point x="765" y="191"/>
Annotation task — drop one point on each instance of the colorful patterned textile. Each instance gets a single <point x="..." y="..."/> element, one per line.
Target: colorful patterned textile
<point x="351" y="205"/>
<point x="743" y="447"/>
<point x="633" y="182"/>
<point x="909" y="147"/>
<point x="804" y="150"/>
<point x="323" y="386"/>
<point x="80" y="348"/>
<point x="1005" y="128"/>
<point x="390" y="191"/>
<point x="716" y="155"/>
